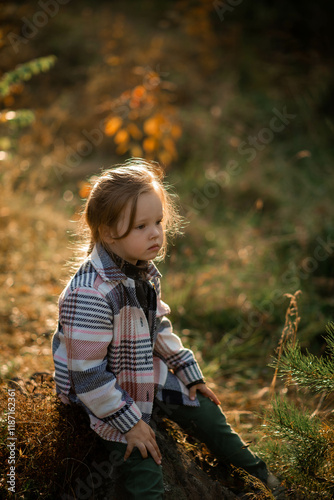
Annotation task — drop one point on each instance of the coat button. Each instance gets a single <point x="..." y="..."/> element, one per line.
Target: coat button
<point x="141" y="322"/>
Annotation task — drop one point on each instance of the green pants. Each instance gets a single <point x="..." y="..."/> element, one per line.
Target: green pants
<point x="143" y="477"/>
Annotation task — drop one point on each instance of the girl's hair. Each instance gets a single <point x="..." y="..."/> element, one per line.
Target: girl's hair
<point x="120" y="185"/>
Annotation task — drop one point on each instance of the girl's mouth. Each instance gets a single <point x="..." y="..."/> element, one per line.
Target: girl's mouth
<point x="154" y="247"/>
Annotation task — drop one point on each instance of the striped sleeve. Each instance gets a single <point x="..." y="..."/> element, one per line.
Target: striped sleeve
<point x="177" y="357"/>
<point x="87" y="323"/>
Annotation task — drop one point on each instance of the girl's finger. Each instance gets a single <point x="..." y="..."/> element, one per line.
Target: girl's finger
<point x="210" y="394"/>
<point x="214" y="398"/>
<point x="192" y="392"/>
<point x="155" y="453"/>
<point x="143" y="449"/>
<point x="128" y="451"/>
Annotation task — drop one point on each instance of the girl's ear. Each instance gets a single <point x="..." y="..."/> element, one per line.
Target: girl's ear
<point x="106" y="234"/>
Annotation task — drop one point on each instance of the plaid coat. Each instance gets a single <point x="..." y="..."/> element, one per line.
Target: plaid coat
<point x="109" y="357"/>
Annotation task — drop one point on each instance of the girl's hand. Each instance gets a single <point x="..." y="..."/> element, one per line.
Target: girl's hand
<point x="142" y="436"/>
<point x="203" y="389"/>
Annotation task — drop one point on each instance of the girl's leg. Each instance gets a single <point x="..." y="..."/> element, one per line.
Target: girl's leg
<point x="142" y="477"/>
<point x="208" y="423"/>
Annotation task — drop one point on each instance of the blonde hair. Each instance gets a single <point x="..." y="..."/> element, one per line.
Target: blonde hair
<point x="120" y="185"/>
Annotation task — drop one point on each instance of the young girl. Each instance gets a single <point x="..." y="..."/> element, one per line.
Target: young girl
<point x="115" y="353"/>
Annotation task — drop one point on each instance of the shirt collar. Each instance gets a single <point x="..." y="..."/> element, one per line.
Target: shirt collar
<point x="108" y="269"/>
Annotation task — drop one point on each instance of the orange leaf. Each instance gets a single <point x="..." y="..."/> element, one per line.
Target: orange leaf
<point x="150" y="100"/>
<point x="122" y="148"/>
<point x="113" y="60"/>
<point x="303" y="154"/>
<point x="138" y="92"/>
<point x="122" y="136"/>
<point x="149" y="144"/>
<point x="152" y="125"/>
<point x="176" y="131"/>
<point x="136" y="151"/>
<point x="169" y="146"/>
<point x="126" y="94"/>
<point x="85" y="189"/>
<point x="134" y="103"/>
<point x="113" y="125"/>
<point x="134" y="131"/>
<point x="165" y="157"/>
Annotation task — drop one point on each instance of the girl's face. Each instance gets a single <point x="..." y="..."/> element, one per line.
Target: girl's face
<point x="146" y="236"/>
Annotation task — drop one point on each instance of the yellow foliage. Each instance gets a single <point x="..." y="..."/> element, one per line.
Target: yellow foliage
<point x="134" y="131"/>
<point x="113" y="60"/>
<point x="112" y="125"/>
<point x="134" y="103"/>
<point x="149" y="144"/>
<point x="150" y="100"/>
<point x="138" y="92"/>
<point x="122" y="148"/>
<point x="176" y="131"/>
<point x="149" y="127"/>
<point x="152" y="126"/>
<point x="136" y="151"/>
<point x="165" y="157"/>
<point x="122" y="137"/>
<point x="169" y="146"/>
<point x="84" y="189"/>
<point x="126" y="94"/>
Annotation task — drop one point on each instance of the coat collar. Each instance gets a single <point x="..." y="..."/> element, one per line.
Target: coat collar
<point x="109" y="271"/>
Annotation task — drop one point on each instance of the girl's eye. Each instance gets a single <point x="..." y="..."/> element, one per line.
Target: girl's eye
<point x="141" y="226"/>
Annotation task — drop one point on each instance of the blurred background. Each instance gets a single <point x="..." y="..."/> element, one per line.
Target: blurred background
<point x="235" y="100"/>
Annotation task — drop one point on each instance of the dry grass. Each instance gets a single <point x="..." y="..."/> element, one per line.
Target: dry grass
<point x="34" y="249"/>
<point x="48" y="451"/>
<point x="289" y="332"/>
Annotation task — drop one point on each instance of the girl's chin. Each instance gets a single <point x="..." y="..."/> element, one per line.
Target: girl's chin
<point x="154" y="251"/>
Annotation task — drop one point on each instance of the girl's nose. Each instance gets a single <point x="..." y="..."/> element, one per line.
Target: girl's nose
<point x="154" y="232"/>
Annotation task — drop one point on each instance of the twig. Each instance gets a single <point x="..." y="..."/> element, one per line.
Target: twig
<point x="289" y="331"/>
<point x="316" y="411"/>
